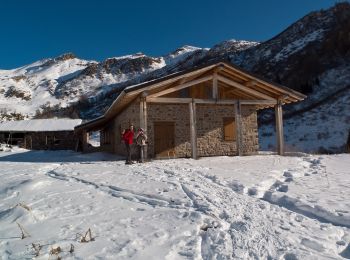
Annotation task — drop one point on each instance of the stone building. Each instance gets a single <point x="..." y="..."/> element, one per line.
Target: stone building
<point x="206" y="111"/>
<point x="41" y="134"/>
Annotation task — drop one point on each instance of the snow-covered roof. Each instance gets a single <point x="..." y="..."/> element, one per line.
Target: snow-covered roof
<point x="40" y="125"/>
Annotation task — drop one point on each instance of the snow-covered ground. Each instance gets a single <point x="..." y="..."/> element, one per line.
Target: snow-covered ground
<point x="256" y="207"/>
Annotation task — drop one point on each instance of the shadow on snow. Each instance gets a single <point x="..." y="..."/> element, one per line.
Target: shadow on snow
<point x="57" y="157"/>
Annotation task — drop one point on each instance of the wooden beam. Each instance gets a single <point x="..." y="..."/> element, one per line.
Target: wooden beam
<point x="292" y="93"/>
<point x="228" y="71"/>
<point x="215" y="86"/>
<point x="209" y="101"/>
<point x="244" y="88"/>
<point x="168" y="81"/>
<point x="180" y="81"/>
<point x="213" y="101"/>
<point x="192" y="108"/>
<point x="258" y="102"/>
<point x="142" y="123"/>
<point x="168" y="100"/>
<point x="233" y="102"/>
<point x="185" y="85"/>
<point x="238" y="94"/>
<point x="279" y="128"/>
<point x="251" y="83"/>
<point x="238" y="120"/>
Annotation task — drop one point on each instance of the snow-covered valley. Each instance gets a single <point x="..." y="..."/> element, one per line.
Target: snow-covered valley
<point x="254" y="207"/>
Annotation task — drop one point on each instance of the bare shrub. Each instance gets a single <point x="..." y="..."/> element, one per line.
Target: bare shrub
<point x="71" y="250"/>
<point x="36" y="248"/>
<point x="24" y="233"/>
<point x="87" y="237"/>
<point x="55" y="251"/>
<point x="22" y="205"/>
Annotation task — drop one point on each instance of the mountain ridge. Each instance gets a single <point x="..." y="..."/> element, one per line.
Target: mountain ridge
<point x="311" y="55"/>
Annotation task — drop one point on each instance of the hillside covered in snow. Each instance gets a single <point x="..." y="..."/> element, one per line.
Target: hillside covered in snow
<point x="311" y="56"/>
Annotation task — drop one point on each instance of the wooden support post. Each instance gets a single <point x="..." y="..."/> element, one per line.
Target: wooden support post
<point x="192" y="107"/>
<point x="85" y="140"/>
<point x="279" y="128"/>
<point x="143" y="119"/>
<point x="238" y="120"/>
<point x="142" y="123"/>
<point x="215" y="86"/>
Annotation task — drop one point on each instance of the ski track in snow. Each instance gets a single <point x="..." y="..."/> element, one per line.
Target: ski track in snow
<point x="174" y="209"/>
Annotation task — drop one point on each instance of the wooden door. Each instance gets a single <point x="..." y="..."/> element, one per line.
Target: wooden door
<point x="164" y="139"/>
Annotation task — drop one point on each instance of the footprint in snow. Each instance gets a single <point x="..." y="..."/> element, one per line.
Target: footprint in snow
<point x="288" y="174"/>
<point x="341" y="243"/>
<point x="283" y="188"/>
<point x="290" y="256"/>
<point x="289" y="179"/>
<point x="169" y="172"/>
<point x="299" y="218"/>
<point x="184" y="215"/>
<point x="312" y="244"/>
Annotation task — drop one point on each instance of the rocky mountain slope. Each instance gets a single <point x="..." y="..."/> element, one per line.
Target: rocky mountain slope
<point x="311" y="56"/>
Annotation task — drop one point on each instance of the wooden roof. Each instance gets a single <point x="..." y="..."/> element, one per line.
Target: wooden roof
<point x="253" y="86"/>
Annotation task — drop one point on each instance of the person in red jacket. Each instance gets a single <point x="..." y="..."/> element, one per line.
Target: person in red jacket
<point x="128" y="137"/>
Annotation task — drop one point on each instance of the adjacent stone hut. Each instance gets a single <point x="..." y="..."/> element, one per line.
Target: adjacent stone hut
<point x="41" y="134"/>
<point x="206" y="111"/>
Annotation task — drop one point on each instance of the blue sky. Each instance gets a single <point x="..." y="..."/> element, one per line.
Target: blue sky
<point x="36" y="29"/>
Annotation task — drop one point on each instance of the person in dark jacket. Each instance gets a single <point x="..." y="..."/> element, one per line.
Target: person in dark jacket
<point x="141" y="141"/>
<point x="128" y="137"/>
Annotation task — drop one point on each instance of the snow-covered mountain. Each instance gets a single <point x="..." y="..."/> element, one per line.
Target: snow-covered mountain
<point x="312" y="56"/>
<point x="66" y="79"/>
<point x="26" y="89"/>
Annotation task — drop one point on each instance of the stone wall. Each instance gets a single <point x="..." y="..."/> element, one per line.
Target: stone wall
<point x="250" y="130"/>
<point x="122" y="121"/>
<point x="177" y="113"/>
<point x="210" y="132"/>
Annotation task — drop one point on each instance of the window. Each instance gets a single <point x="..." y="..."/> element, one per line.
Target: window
<point x="56" y="141"/>
<point x="229" y="129"/>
